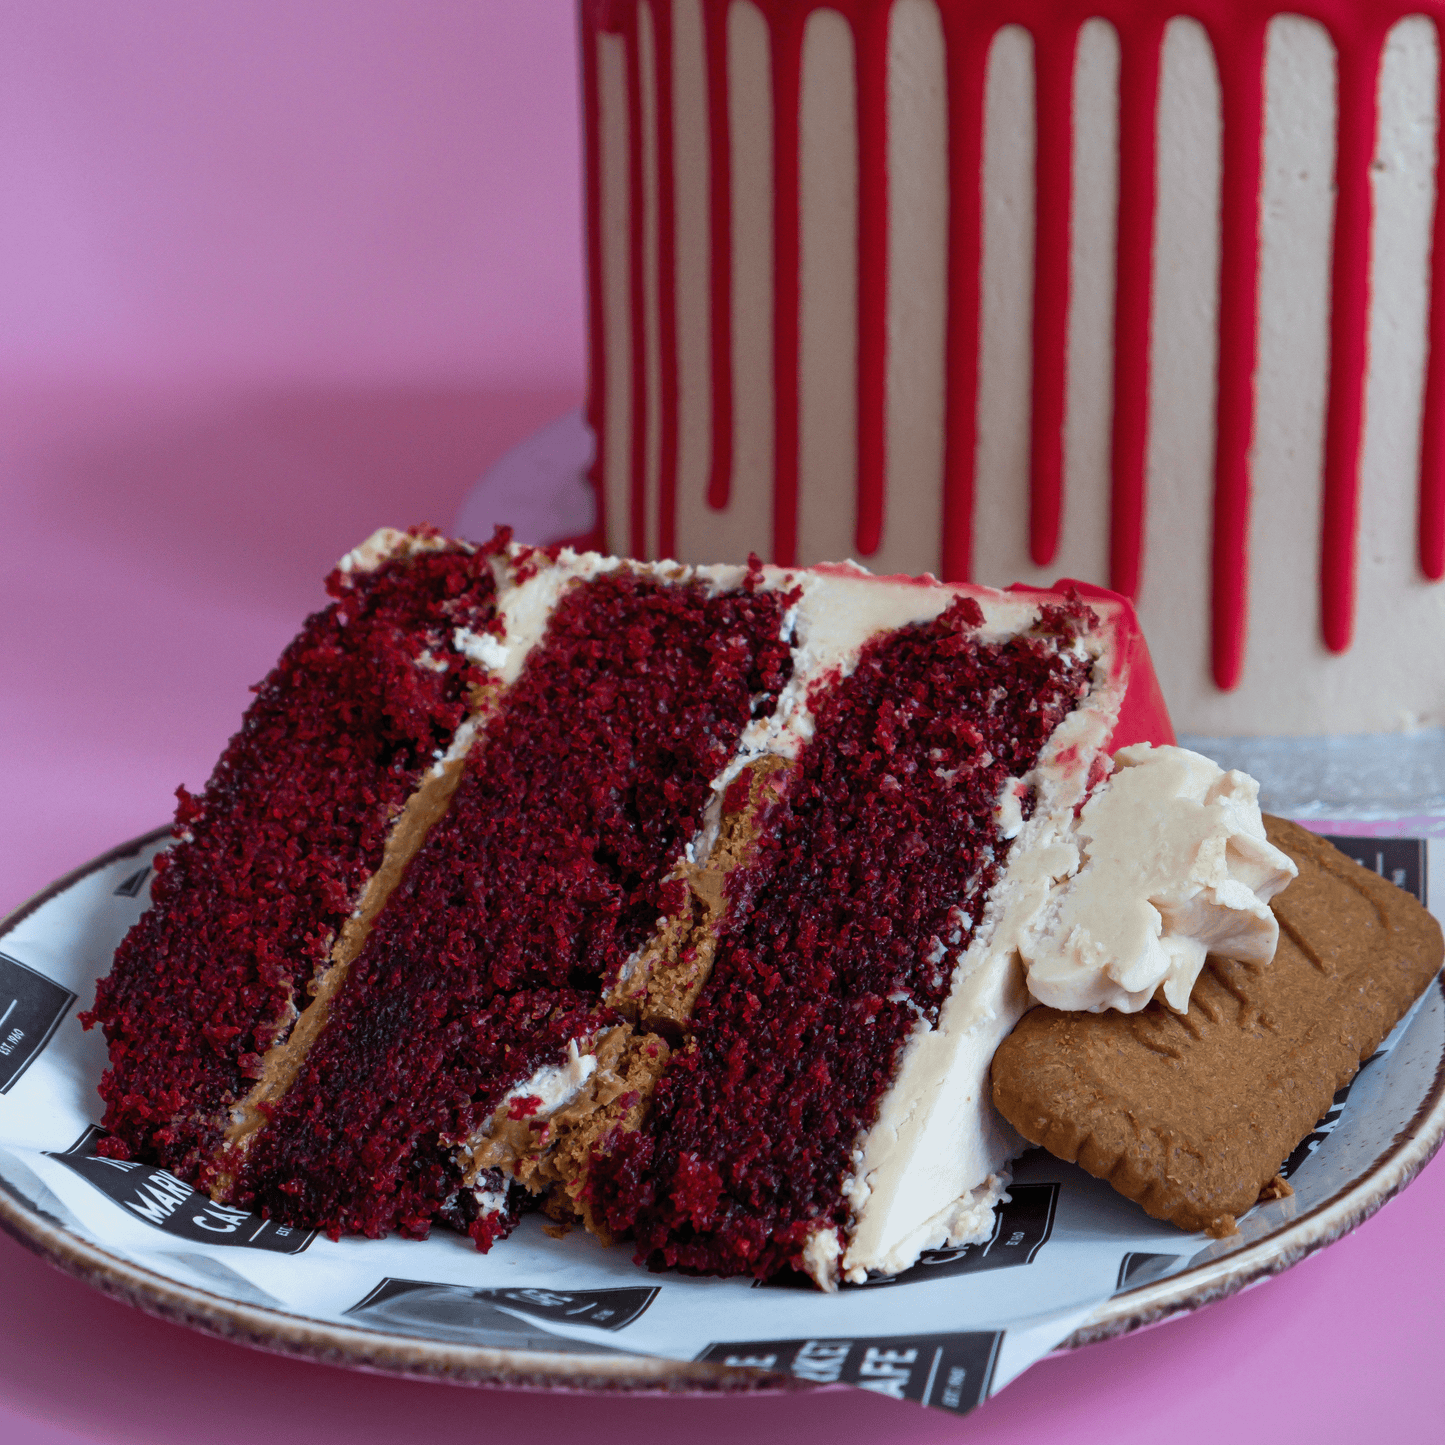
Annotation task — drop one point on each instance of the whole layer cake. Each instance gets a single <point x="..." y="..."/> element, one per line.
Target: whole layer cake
<point x="1006" y="291"/>
<point x="1189" y="1107"/>
<point x="689" y="901"/>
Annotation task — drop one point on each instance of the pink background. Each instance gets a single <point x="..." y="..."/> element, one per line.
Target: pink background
<point x="272" y="275"/>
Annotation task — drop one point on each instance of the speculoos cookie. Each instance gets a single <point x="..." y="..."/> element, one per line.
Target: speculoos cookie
<point x="1190" y="1115"/>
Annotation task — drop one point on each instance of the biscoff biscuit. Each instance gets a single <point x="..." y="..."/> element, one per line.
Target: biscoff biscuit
<point x="1190" y="1115"/>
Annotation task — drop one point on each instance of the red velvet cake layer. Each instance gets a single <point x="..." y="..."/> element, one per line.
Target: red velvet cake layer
<point x="848" y="911"/>
<point x="546" y="874"/>
<point x="275" y="851"/>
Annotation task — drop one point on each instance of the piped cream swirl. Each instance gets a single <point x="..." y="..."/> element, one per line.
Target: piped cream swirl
<point x="1167" y="862"/>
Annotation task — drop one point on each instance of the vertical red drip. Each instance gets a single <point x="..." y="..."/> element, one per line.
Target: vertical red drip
<point x="637" y="281"/>
<point x="1139" y="46"/>
<point x="786" y="28"/>
<point x="666" y="285"/>
<point x="1054" y="51"/>
<point x="1358" y="60"/>
<point x="967" y="42"/>
<point x="1432" y="424"/>
<point x="596" y="322"/>
<point x="720" y="258"/>
<point x="870" y="46"/>
<point x="1240" y="56"/>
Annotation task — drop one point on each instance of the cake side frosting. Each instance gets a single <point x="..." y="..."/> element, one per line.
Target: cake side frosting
<point x="927" y="1171"/>
<point x="1115" y="263"/>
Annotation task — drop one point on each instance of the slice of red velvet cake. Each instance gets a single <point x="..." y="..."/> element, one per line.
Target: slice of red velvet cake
<point x="552" y="868"/>
<point x="885" y="845"/>
<point x="348" y="752"/>
<point x="710" y="946"/>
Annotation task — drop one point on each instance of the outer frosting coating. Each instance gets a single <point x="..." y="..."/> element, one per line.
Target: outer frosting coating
<point x="1167" y="862"/>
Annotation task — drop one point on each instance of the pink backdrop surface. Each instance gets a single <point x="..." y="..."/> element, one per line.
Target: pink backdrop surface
<point x="273" y="275"/>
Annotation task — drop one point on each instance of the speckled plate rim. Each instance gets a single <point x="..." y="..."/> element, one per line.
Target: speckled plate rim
<point x="281" y="1332"/>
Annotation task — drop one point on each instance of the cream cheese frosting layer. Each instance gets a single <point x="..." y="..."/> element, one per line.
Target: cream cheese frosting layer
<point x="929" y="1170"/>
<point x="878" y="355"/>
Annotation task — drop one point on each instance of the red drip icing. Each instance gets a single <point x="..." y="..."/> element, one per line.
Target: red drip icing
<point x="1143" y="713"/>
<point x="637" y="282"/>
<point x="1358" y="50"/>
<point x="1054" y="52"/>
<point x="596" y="322"/>
<point x="870" y="30"/>
<point x="666" y="287"/>
<point x="1432" y="435"/>
<point x="608" y="15"/>
<point x="967" y="61"/>
<point x="1240" y="57"/>
<point x="786" y="24"/>
<point x="715" y="40"/>
<point x="1138" y="106"/>
<point x="1236" y="29"/>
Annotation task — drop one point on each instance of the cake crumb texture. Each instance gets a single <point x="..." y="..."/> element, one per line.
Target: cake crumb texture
<point x="872" y="874"/>
<point x="552" y="867"/>
<point x="273" y="855"/>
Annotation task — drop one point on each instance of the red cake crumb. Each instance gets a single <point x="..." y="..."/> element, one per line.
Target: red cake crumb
<point x="883" y="843"/>
<point x="546" y="874"/>
<point x="821" y="926"/>
<point x="273" y="853"/>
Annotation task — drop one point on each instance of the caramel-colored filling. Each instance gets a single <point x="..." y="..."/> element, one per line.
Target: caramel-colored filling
<point x="549" y="1154"/>
<point x="283" y="1061"/>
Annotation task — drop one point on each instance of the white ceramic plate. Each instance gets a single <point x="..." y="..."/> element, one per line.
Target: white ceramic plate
<point x="1395" y="1122"/>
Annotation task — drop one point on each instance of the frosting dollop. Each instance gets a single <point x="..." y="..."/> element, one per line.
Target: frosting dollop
<point x="1170" y="863"/>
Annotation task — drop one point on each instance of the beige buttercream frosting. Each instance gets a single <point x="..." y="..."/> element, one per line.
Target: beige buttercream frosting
<point x="1168" y="861"/>
<point x="388" y="542"/>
